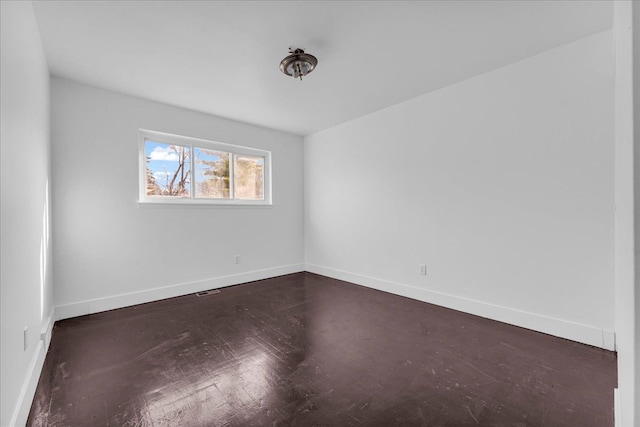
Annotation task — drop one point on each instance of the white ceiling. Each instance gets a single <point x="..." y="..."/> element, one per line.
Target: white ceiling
<point x="222" y="57"/>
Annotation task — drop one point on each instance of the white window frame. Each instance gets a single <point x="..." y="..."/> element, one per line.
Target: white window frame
<point x="186" y="141"/>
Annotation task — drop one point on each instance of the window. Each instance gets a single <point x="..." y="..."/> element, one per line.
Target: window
<point x="179" y="169"/>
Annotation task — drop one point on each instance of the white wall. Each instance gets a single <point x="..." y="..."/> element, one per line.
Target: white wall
<point x="112" y="251"/>
<point x="624" y="216"/>
<point x="25" y="291"/>
<point x="632" y="410"/>
<point x="634" y="395"/>
<point x="502" y="184"/>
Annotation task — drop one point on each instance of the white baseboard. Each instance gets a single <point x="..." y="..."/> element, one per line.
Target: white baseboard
<point x="47" y="328"/>
<point x="82" y="308"/>
<point x="28" y="389"/>
<point x="558" y="327"/>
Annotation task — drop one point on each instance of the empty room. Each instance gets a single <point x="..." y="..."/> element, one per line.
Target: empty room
<point x="319" y="213"/>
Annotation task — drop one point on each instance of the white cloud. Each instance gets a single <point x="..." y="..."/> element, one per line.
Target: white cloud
<point x="161" y="174"/>
<point x="163" y="153"/>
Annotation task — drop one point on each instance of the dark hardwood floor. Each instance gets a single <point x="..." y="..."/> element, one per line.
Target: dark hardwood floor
<point x="307" y="350"/>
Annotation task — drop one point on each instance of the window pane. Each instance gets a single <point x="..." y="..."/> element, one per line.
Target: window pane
<point x="248" y="183"/>
<point x="212" y="173"/>
<point x="168" y="169"/>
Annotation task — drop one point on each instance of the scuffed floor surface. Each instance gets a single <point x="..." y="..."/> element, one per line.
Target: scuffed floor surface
<point x="305" y="350"/>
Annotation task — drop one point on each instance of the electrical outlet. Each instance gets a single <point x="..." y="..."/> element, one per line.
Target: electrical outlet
<point x="236" y="259"/>
<point x="423" y="269"/>
<point x="25" y="337"/>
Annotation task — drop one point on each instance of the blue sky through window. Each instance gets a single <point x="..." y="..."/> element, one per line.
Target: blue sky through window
<point x="164" y="161"/>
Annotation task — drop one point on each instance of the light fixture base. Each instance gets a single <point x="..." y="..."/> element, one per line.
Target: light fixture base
<point x="298" y="63"/>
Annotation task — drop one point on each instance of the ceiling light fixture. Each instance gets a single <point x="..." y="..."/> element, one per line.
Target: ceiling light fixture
<point x="298" y="64"/>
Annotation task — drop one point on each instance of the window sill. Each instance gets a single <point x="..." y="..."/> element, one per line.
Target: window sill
<point x="197" y="203"/>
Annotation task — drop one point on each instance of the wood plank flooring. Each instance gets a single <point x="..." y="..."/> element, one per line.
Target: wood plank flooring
<point x="306" y="350"/>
